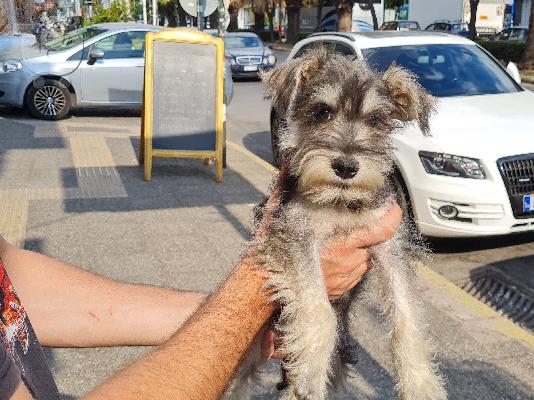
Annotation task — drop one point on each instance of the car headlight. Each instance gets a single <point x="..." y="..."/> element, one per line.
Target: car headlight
<point x="271" y="60"/>
<point x="10" y="66"/>
<point x="230" y="59"/>
<point x="450" y="165"/>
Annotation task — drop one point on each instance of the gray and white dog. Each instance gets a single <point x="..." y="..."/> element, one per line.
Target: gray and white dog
<point x="339" y="116"/>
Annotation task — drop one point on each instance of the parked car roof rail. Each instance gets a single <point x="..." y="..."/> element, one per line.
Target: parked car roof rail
<point x="346" y="35"/>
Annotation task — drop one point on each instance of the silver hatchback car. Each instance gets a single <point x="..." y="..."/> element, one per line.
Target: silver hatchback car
<point x="99" y="65"/>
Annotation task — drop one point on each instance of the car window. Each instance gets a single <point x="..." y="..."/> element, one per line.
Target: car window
<point x="504" y="35"/>
<point x="430" y="27"/>
<point x="331" y="47"/>
<point x="122" y="45"/>
<point x="442" y="26"/>
<point x="343" y="49"/>
<point x="74" y="38"/>
<point x="446" y="69"/>
<point x="241" y="42"/>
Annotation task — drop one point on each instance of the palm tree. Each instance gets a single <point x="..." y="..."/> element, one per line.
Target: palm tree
<point x="233" y="11"/>
<point x="293" y="20"/>
<point x="527" y="61"/>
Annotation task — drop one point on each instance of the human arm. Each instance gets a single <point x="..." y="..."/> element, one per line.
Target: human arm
<point x="199" y="360"/>
<point x="70" y="307"/>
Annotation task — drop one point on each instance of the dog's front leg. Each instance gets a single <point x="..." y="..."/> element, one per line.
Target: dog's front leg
<point x="307" y="325"/>
<point x="417" y="374"/>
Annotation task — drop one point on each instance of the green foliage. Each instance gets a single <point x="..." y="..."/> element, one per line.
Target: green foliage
<point x="504" y="51"/>
<point x="116" y="12"/>
<point x="393" y="3"/>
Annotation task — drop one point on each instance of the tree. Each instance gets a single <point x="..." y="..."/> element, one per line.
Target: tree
<point x="271" y="7"/>
<point x="258" y="6"/>
<point x="527" y="62"/>
<point x="344" y="13"/>
<point x="473" y="6"/>
<point x="168" y="9"/>
<point x="373" y="14"/>
<point x="293" y="20"/>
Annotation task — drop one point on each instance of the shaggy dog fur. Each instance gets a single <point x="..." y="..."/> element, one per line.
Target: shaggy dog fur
<point x="339" y="116"/>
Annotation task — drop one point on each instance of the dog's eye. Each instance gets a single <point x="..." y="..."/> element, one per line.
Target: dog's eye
<point x="322" y="113"/>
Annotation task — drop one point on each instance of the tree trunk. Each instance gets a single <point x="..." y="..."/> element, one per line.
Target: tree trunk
<point x="232" y="11"/>
<point x="344" y="12"/>
<point x="473" y="5"/>
<point x="527" y="61"/>
<point x="293" y="22"/>
<point x="319" y="17"/>
<point x="169" y="12"/>
<point x="259" y="21"/>
<point x="182" y="16"/>
<point x="214" y="19"/>
<point x="373" y="14"/>
<point x="270" y="15"/>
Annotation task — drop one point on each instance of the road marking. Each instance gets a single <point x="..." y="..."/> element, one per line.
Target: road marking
<point x="264" y="164"/>
<point x="500" y="323"/>
<point x="13" y="220"/>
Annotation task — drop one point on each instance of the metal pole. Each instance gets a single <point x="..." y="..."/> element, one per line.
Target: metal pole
<point x="12" y="16"/>
<point x="144" y="11"/>
<point x="200" y="15"/>
<point x="222" y="18"/>
<point x="154" y="12"/>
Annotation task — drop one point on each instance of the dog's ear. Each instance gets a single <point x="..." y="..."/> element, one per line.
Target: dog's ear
<point x="411" y="101"/>
<point x="283" y="82"/>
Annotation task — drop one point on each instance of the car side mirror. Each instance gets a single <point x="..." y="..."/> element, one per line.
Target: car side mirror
<point x="96" y="54"/>
<point x="513" y="71"/>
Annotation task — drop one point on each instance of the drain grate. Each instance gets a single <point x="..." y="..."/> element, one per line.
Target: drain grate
<point x="503" y="295"/>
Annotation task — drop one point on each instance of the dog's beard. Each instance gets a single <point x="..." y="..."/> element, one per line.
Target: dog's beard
<point x="318" y="183"/>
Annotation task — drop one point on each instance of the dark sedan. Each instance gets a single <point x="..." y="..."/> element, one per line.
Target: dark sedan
<point x="247" y="54"/>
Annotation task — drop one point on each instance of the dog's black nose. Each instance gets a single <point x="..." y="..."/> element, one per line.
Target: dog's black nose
<point x="345" y="169"/>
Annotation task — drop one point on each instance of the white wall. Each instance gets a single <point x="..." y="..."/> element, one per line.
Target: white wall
<point x="427" y="11"/>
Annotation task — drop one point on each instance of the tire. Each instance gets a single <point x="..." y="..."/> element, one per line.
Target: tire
<point x="49" y="100"/>
<point x="402" y="196"/>
<point x="276" y="124"/>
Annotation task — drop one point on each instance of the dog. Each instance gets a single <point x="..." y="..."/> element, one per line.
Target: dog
<point x="338" y="156"/>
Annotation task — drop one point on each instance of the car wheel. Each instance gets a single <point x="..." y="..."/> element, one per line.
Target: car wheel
<point x="277" y="124"/>
<point x="402" y="196"/>
<point x="50" y="100"/>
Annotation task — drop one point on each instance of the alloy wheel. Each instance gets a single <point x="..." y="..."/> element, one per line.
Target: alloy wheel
<point x="49" y="100"/>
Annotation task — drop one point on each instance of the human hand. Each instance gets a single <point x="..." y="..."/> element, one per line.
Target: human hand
<point x="344" y="262"/>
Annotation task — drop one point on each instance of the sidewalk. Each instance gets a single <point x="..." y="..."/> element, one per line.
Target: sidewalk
<point x="74" y="190"/>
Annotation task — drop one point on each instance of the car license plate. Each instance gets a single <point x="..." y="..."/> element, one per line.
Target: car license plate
<point x="528" y="202"/>
<point x="251" y="68"/>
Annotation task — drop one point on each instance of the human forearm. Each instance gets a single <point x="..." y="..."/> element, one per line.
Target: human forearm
<point x="200" y="359"/>
<point x="70" y="307"/>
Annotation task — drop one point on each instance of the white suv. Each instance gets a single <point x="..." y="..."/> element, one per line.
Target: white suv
<point x="474" y="175"/>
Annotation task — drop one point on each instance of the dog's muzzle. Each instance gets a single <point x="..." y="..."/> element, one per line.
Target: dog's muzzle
<point x="345" y="169"/>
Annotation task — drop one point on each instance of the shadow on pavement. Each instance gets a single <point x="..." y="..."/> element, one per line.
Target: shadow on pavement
<point x="259" y="143"/>
<point x="464" y="245"/>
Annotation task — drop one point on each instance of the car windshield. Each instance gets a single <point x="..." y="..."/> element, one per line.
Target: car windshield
<point x="408" y="25"/>
<point x="73" y="38"/>
<point x="241" y="42"/>
<point x="446" y="69"/>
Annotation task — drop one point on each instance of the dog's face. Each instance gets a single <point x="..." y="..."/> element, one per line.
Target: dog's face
<point x="339" y="115"/>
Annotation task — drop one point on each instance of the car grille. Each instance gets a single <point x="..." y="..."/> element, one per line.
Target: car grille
<point x="248" y="60"/>
<point x="518" y="175"/>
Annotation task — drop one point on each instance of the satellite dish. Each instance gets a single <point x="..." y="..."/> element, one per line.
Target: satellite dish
<point x="191" y="6"/>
